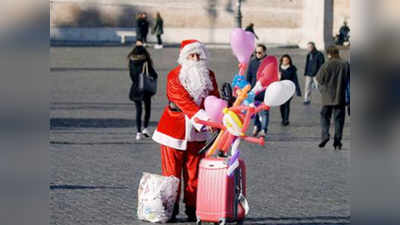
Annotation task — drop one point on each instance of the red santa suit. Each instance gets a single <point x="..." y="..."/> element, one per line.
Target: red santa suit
<point x="180" y="137"/>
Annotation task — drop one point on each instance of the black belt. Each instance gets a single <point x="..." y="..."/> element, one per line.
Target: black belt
<point x="173" y="107"/>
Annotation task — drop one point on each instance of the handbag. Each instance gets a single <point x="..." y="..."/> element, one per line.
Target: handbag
<point x="146" y="82"/>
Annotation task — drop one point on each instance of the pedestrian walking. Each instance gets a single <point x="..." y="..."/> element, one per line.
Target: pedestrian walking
<point x="158" y="30"/>
<point x="139" y="24"/>
<point x="180" y="136"/>
<point x="261" y="119"/>
<point x="140" y="62"/>
<point x="287" y="71"/>
<point x="314" y="61"/>
<point x="333" y="79"/>
<point x="250" y="28"/>
<point x="142" y="25"/>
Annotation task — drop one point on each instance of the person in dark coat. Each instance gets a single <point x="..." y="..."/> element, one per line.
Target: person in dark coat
<point x="314" y="61"/>
<point x="343" y="34"/>
<point x="158" y="30"/>
<point x="142" y="25"/>
<point x="250" y="28"/>
<point x="139" y="23"/>
<point x="138" y="58"/>
<point x="261" y="119"/>
<point x="333" y="78"/>
<point x="287" y="71"/>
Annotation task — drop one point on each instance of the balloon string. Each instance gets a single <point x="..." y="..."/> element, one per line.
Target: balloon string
<point x="242" y="68"/>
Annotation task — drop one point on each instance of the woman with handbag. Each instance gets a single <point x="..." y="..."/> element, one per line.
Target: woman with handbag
<point x="144" y="86"/>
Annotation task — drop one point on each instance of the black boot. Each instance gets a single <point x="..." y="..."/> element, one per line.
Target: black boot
<point x="191" y="213"/>
<point x="323" y="143"/>
<point x="337" y="144"/>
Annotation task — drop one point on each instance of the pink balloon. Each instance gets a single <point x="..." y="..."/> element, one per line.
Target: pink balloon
<point x="214" y="107"/>
<point x="243" y="44"/>
<point x="268" y="71"/>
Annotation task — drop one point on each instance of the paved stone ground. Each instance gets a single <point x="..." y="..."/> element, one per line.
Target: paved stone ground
<point x="96" y="164"/>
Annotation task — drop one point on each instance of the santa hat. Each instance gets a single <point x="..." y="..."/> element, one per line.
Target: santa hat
<point x="192" y="46"/>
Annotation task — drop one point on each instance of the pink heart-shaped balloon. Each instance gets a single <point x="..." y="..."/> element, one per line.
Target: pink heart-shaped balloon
<point x="214" y="107"/>
<point x="242" y="44"/>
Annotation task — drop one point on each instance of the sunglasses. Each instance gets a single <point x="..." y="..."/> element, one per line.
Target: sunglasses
<point x="259" y="53"/>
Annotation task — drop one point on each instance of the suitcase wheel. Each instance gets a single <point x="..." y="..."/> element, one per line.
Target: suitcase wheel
<point x="221" y="222"/>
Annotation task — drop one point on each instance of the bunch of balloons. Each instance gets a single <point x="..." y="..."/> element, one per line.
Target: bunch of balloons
<point x="233" y="122"/>
<point x="243" y="44"/>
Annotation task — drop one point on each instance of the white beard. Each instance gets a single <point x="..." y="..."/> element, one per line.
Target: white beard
<point x="195" y="78"/>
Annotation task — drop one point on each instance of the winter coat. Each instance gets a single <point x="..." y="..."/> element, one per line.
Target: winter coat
<point x="344" y="31"/>
<point x="291" y="74"/>
<point x="135" y="69"/>
<point x="332" y="81"/>
<point x="177" y="127"/>
<point x="158" y="28"/>
<point x="314" y="61"/>
<point x="142" y="26"/>
<point x="251" y="75"/>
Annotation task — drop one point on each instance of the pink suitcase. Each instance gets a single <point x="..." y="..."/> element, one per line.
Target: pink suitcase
<point x="219" y="195"/>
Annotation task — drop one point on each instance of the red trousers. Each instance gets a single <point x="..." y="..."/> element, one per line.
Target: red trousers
<point x="176" y="162"/>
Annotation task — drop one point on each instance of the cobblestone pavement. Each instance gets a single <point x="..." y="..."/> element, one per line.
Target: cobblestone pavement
<point x="96" y="163"/>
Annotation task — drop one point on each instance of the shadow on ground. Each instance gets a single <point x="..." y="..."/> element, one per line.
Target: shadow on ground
<point x="81" y="187"/>
<point x="317" y="220"/>
<point x="67" y="123"/>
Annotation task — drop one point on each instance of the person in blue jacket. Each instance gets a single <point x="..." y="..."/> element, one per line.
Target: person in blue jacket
<point x="315" y="59"/>
<point x="261" y="119"/>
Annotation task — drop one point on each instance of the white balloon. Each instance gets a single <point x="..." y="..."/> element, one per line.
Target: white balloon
<point x="279" y="92"/>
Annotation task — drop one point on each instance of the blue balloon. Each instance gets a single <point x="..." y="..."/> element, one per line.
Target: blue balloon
<point x="250" y="98"/>
<point x="239" y="81"/>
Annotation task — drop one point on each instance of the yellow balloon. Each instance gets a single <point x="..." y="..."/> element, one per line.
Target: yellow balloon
<point x="232" y="122"/>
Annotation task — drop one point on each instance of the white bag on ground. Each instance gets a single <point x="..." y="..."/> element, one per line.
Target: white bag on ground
<point x="156" y="197"/>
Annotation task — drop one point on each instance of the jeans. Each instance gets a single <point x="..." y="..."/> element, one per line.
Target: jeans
<point x="285" y="111"/>
<point x="139" y="109"/>
<point x="308" y="87"/>
<point x="261" y="120"/>
<point x="339" y="113"/>
<point x="159" y="40"/>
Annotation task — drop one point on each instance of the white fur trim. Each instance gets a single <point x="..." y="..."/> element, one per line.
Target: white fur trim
<point x="169" y="141"/>
<point x="192" y="135"/>
<point x="201" y="114"/>
<point x="195" y="47"/>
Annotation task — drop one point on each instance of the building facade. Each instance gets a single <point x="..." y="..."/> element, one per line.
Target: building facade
<point x="276" y="21"/>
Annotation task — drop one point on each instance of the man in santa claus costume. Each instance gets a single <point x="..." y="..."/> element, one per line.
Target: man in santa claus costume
<point x="179" y="135"/>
